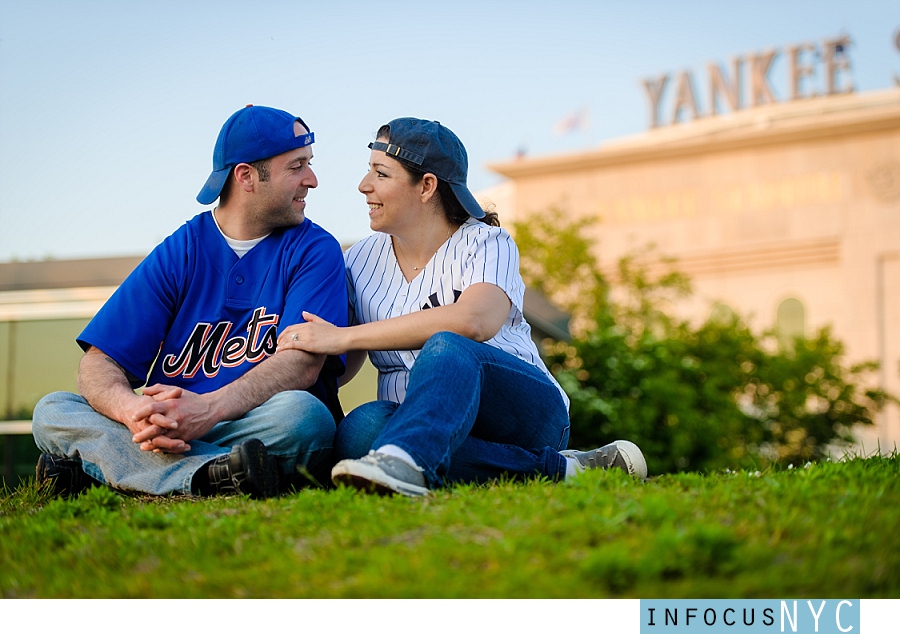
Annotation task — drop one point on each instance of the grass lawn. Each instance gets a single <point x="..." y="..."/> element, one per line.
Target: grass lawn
<point x="828" y="530"/>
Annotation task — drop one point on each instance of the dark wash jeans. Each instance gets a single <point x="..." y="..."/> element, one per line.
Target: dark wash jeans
<point x="472" y="413"/>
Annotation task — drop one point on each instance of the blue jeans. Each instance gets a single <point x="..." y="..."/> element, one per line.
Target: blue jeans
<point x="295" y="427"/>
<point x="472" y="413"/>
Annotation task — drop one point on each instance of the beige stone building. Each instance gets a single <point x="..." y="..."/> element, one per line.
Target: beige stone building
<point x="787" y="212"/>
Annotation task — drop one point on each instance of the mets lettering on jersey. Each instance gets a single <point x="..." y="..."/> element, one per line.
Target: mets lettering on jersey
<point x="209" y="347"/>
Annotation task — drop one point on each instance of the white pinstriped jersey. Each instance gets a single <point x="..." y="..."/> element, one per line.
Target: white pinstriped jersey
<point x="475" y="253"/>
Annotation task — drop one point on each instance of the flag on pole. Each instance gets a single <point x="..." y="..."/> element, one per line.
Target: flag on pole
<point x="579" y="120"/>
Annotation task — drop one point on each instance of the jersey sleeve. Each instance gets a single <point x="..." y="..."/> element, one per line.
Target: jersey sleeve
<point x="131" y="325"/>
<point x="318" y="284"/>
<point x="494" y="258"/>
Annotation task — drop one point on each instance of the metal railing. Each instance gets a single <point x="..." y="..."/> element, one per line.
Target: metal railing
<point x="14" y="427"/>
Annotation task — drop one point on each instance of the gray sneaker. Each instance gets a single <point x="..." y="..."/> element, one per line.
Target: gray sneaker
<point x="382" y="474"/>
<point x="620" y="454"/>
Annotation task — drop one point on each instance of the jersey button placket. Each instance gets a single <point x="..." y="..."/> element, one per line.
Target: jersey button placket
<point x="399" y="304"/>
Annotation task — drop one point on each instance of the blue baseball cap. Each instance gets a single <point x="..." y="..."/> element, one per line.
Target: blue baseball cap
<point x="253" y="133"/>
<point x="430" y="147"/>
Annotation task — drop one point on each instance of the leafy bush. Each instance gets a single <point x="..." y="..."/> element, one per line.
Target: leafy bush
<point x="704" y="397"/>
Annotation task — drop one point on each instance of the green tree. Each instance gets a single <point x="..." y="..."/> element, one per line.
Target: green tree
<point x="701" y="397"/>
<point x="558" y="261"/>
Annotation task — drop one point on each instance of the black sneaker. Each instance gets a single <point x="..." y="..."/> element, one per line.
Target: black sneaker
<point x="620" y="454"/>
<point x="247" y="469"/>
<point x="65" y="475"/>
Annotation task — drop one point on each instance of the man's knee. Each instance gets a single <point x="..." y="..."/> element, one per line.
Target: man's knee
<point x="54" y="400"/>
<point x="51" y="410"/>
<point x="302" y="418"/>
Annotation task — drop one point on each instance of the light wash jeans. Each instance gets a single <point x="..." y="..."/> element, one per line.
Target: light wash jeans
<point x="472" y="413"/>
<point x="295" y="427"/>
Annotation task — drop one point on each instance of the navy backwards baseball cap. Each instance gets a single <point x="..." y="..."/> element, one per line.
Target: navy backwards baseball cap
<point x="430" y="147"/>
<point x="251" y="134"/>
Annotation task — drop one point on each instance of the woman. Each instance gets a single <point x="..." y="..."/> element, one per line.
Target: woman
<point x="437" y="300"/>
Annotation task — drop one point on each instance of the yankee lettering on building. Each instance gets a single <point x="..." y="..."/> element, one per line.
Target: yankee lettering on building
<point x="813" y="69"/>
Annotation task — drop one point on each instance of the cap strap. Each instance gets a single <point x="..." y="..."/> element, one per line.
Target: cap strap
<point x="305" y="139"/>
<point x="399" y="152"/>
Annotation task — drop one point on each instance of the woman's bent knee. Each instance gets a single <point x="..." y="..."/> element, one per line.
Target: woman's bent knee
<point x="448" y="351"/>
<point x="445" y="340"/>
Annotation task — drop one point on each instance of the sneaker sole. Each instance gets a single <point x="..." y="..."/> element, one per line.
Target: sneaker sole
<point x="633" y="457"/>
<point x="372" y="480"/>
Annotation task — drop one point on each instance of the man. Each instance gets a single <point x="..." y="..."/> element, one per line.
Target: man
<point x="200" y="315"/>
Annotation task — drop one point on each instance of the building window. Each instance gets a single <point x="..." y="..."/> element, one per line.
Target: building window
<point x="790" y="322"/>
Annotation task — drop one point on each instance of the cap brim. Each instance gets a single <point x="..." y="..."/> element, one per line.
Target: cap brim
<point x="467" y="200"/>
<point x="213" y="186"/>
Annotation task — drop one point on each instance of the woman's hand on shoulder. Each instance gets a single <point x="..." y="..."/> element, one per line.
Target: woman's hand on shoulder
<point x="315" y="335"/>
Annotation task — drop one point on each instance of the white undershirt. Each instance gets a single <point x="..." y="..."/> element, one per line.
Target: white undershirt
<point x="240" y="247"/>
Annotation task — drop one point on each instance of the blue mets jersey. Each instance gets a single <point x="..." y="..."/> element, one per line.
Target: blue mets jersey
<point x="193" y="314"/>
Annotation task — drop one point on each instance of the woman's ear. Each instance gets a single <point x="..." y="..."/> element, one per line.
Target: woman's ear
<point x="428" y="186"/>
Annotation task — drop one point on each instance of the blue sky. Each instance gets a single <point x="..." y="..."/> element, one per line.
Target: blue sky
<point x="109" y="110"/>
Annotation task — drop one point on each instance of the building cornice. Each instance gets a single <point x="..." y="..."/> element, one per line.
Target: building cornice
<point x="780" y="255"/>
<point x="793" y="122"/>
